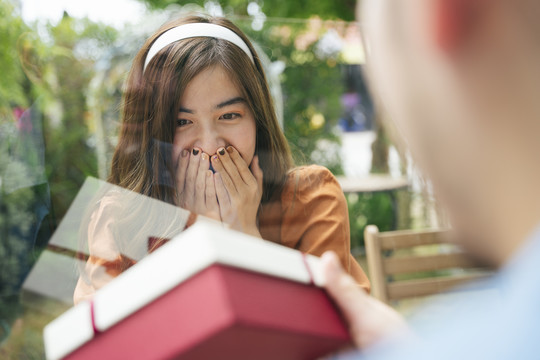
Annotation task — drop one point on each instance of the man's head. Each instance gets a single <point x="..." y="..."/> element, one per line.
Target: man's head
<point x="459" y="79"/>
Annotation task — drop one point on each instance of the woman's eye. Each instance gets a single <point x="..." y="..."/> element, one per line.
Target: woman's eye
<point x="229" y="116"/>
<point x="182" y="122"/>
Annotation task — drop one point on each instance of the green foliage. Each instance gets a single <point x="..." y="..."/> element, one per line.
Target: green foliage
<point x="327" y="9"/>
<point x="48" y="78"/>
<point x="70" y="158"/>
<point x="318" y="98"/>
<point x="33" y="313"/>
<point x="15" y="225"/>
<point x="312" y="87"/>
<point x="58" y="73"/>
<point x="12" y="89"/>
<point x="369" y="209"/>
<point x="380" y="149"/>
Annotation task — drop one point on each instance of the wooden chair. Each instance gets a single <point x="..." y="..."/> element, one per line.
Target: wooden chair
<point x="384" y="264"/>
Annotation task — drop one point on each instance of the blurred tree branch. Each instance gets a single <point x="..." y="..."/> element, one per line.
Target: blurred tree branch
<point x="303" y="9"/>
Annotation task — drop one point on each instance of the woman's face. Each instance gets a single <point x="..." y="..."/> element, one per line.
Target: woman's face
<point x="214" y="114"/>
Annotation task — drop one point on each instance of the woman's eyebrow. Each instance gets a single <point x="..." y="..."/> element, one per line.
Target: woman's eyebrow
<point x="186" y="110"/>
<point x="232" y="101"/>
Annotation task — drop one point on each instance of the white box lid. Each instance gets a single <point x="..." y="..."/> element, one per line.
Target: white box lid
<point x="69" y="331"/>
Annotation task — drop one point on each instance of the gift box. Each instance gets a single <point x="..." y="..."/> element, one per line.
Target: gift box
<point x="208" y="293"/>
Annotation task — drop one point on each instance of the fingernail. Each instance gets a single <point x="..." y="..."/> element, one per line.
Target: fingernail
<point x="215" y="158"/>
<point x="195" y="152"/>
<point x="185" y="153"/>
<point x="221" y="151"/>
<point x="204" y="156"/>
<point x="230" y="149"/>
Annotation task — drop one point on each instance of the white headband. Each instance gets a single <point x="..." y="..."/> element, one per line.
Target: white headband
<point x="187" y="31"/>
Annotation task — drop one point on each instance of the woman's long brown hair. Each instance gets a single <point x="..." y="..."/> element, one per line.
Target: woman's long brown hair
<point x="143" y="161"/>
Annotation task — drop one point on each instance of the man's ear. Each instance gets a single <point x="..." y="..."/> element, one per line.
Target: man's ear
<point x="452" y="23"/>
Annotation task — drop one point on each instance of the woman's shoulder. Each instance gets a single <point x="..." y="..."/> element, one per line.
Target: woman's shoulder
<point x="309" y="175"/>
<point x="306" y="182"/>
<point x="309" y="170"/>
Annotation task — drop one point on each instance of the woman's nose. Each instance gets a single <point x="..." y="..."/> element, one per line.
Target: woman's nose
<point x="210" y="141"/>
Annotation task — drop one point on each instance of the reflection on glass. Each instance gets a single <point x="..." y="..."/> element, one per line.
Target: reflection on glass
<point x="106" y="230"/>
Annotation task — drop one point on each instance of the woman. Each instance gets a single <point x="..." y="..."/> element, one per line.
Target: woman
<point x="198" y="84"/>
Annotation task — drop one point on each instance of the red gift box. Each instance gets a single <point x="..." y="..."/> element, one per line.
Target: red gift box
<point x="209" y="293"/>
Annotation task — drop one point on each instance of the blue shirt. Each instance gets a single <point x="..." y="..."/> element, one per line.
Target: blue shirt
<point x="503" y="323"/>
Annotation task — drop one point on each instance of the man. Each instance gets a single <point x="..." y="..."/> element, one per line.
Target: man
<point x="460" y="81"/>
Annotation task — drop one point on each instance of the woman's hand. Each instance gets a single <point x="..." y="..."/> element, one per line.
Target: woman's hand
<point x="238" y="189"/>
<point x="195" y="184"/>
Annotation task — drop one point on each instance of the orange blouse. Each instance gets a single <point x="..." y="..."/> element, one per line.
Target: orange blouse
<point x="312" y="216"/>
